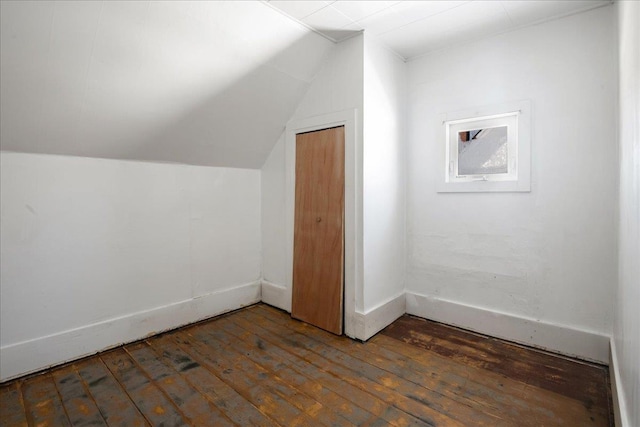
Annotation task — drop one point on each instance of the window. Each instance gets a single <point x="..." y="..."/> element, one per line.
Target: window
<point x="483" y="148"/>
<point x="487" y="149"/>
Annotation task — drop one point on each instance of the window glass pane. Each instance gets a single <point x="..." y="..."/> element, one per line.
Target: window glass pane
<point x="483" y="151"/>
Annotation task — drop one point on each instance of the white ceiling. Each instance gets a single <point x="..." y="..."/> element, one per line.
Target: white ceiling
<point x="205" y="83"/>
<point x="414" y="28"/>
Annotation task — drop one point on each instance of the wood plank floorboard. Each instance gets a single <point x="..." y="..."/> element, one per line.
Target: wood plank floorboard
<point x="12" y="412"/>
<point x="587" y="385"/>
<point x="257" y="366"/>
<point x="81" y="409"/>
<point x="113" y="402"/>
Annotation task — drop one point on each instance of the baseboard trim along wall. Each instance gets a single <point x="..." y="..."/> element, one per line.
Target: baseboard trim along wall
<point x="366" y="324"/>
<point x="619" y="403"/>
<point x="276" y="295"/>
<point x="581" y="344"/>
<point x="376" y="319"/>
<point x="33" y="355"/>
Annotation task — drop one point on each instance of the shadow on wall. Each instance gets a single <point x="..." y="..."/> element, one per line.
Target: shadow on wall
<point x="204" y="83"/>
<point x="238" y="126"/>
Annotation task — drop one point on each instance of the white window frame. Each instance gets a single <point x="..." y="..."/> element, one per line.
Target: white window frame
<point x="516" y="116"/>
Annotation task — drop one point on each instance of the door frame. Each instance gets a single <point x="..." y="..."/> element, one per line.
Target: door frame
<point x="348" y="119"/>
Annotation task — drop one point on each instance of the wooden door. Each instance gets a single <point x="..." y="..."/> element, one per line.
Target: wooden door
<point x="318" y="241"/>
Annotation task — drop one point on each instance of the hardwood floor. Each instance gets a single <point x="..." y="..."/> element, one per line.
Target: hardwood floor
<point x="257" y="366"/>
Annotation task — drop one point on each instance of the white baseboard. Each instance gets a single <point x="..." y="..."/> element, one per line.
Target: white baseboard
<point x="586" y="345"/>
<point x="33" y="355"/>
<point x="276" y="295"/>
<point x="620" y="412"/>
<point x="365" y="325"/>
<point x="373" y="321"/>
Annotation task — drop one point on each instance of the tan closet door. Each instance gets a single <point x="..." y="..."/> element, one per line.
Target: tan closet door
<point x="318" y="242"/>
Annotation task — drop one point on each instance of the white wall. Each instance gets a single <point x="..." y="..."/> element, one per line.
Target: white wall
<point x="364" y="76"/>
<point x="626" y="331"/>
<point x="544" y="261"/>
<point x="171" y="81"/>
<point x="383" y="177"/>
<point x="98" y="252"/>
<point x="338" y="87"/>
<point x="274" y="263"/>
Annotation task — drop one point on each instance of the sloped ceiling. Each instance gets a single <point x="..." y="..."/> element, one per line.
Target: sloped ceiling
<point x="204" y="83"/>
<point x="201" y="82"/>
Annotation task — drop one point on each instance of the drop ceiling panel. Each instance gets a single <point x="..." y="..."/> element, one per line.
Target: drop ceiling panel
<point x="299" y="9"/>
<point x="357" y="10"/>
<point x="459" y="23"/>
<point x="524" y="12"/>
<point x="327" y="18"/>
<point x="413" y="11"/>
<point x="384" y="21"/>
<point x="413" y="28"/>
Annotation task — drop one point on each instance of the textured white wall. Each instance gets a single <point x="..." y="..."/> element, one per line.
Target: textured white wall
<point x="626" y="329"/>
<point x="337" y="87"/>
<point x="85" y="241"/>
<point x="548" y="255"/>
<point x="383" y="175"/>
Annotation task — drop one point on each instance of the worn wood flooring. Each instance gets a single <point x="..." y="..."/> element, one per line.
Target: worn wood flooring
<point x="257" y="366"/>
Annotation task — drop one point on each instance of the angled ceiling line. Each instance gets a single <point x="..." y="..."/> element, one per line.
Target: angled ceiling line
<point x="299" y="22"/>
<point x="595" y="6"/>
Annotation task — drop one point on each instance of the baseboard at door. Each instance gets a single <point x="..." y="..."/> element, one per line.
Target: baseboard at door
<point x="586" y="345"/>
<point x="276" y="295"/>
<point x="366" y="324"/>
<point x="36" y="354"/>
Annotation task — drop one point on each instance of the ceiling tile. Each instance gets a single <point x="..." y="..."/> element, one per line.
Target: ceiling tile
<point x="479" y="13"/>
<point x="411" y="39"/>
<point x="327" y="18"/>
<point x="415" y="10"/>
<point x="298" y="9"/>
<point x="414" y="27"/>
<point x="404" y="13"/>
<point x="527" y="12"/>
<point x="383" y="21"/>
<point x="357" y="10"/>
<point x="460" y="23"/>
